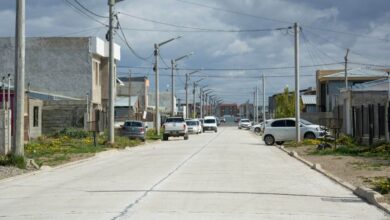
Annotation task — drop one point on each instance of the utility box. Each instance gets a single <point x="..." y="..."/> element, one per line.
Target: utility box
<point x="5" y="132"/>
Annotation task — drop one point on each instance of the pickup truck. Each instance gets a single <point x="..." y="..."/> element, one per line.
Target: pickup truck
<point x="175" y="127"/>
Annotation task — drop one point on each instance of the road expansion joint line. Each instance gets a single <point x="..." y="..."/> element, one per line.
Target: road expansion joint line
<point x="138" y="200"/>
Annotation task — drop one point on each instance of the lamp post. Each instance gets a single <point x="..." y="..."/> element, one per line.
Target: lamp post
<point x="186" y="87"/>
<point x="173" y="69"/>
<point x="155" y="68"/>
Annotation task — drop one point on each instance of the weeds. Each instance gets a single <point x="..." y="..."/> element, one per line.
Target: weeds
<point x="380" y="184"/>
<point x="11" y="160"/>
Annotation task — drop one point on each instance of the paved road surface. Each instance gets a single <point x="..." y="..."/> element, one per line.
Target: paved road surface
<point x="228" y="175"/>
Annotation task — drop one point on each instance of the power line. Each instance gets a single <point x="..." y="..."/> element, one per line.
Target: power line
<point x="91" y="12"/>
<point x="282" y="21"/>
<point x="130" y="48"/>
<point x="237" y="69"/>
<point x="199" y="29"/>
<point x="81" y="12"/>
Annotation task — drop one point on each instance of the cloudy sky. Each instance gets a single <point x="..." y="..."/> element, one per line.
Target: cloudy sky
<point x="234" y="42"/>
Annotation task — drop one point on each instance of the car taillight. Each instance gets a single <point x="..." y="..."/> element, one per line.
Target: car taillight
<point x="141" y="129"/>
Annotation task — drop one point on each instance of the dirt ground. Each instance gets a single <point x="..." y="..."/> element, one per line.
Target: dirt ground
<point x="355" y="170"/>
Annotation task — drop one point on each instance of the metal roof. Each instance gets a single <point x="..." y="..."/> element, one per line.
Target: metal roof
<point x="123" y="101"/>
<point x="358" y="73"/>
<point x="309" y="99"/>
<point x="375" y="85"/>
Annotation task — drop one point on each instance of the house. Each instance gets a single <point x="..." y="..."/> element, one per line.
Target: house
<point x="135" y="86"/>
<point x="329" y="83"/>
<point x="365" y="103"/>
<point x="126" y="108"/>
<point x="70" y="70"/>
<point x="165" y="102"/>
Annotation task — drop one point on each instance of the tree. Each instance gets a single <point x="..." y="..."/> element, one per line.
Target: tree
<point x="285" y="104"/>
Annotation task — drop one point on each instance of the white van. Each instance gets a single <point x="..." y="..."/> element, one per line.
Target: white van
<point x="210" y="124"/>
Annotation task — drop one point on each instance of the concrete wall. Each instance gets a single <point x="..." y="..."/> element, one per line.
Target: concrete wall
<point x="58" y="65"/>
<point x="60" y="114"/>
<point x="5" y="132"/>
<point x="139" y="87"/>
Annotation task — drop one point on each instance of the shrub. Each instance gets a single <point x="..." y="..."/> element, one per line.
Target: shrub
<point x="346" y="140"/>
<point x="11" y="160"/>
<point x="381" y="184"/>
<point x="72" y="133"/>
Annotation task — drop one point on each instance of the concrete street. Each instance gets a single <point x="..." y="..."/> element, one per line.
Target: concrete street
<point x="224" y="175"/>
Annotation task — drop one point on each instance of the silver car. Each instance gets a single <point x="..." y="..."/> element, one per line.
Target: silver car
<point x="134" y="129"/>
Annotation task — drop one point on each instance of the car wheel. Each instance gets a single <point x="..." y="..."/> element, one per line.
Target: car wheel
<point x="239" y="127"/>
<point x="215" y="130"/>
<point x="269" y="140"/>
<point x="165" y="137"/>
<point x="279" y="142"/>
<point x="204" y="130"/>
<point x="257" y="130"/>
<point x="186" y="137"/>
<point x="309" y="135"/>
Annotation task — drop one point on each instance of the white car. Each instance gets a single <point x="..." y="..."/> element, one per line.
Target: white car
<point x="210" y="124"/>
<point x="258" y="128"/>
<point x="283" y="129"/>
<point x="244" y="123"/>
<point x="194" y="126"/>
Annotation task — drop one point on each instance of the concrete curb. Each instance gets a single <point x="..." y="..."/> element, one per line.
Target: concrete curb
<point x="366" y="194"/>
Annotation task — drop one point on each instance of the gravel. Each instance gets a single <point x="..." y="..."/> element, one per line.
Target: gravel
<point x="8" y="171"/>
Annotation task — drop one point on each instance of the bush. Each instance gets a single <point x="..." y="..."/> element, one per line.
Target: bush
<point x="347" y="141"/>
<point x="72" y="133"/>
<point x="11" y="160"/>
<point x="381" y="184"/>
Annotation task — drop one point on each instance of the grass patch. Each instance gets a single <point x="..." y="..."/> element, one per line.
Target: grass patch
<point x="380" y="184"/>
<point x="151" y="134"/>
<point x="366" y="166"/>
<point x="70" y="144"/>
<point x="11" y="160"/>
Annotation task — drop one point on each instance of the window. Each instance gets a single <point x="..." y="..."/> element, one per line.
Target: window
<point x="35" y="116"/>
<point x="290" y="123"/>
<point x="279" y="123"/>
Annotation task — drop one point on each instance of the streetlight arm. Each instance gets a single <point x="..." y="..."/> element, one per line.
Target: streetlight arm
<point x="182" y="57"/>
<point x="165" y="42"/>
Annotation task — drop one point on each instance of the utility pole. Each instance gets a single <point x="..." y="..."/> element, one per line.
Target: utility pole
<point x="194" y="100"/>
<point x="9" y="92"/>
<point x="3" y="89"/>
<point x="129" y="94"/>
<point x="111" y="88"/>
<point x="157" y="101"/>
<point x="347" y="102"/>
<point x="345" y="69"/>
<point x="254" y="106"/>
<point x="297" y="97"/>
<point x="19" y="79"/>
<point x="387" y="138"/>
<point x="186" y="88"/>
<point x="173" y="63"/>
<point x="201" y="102"/>
<point x="264" y="118"/>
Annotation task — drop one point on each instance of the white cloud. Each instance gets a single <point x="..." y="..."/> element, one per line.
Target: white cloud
<point x="237" y="47"/>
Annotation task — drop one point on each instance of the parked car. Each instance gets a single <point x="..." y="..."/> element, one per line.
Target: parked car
<point x="244" y="123"/>
<point x="134" y="129"/>
<point x="194" y="126"/>
<point x="258" y="128"/>
<point x="210" y="124"/>
<point x="283" y="129"/>
<point x="223" y="120"/>
<point x="175" y="127"/>
<point x="201" y="122"/>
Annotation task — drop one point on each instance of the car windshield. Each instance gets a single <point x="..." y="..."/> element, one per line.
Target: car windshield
<point x="244" y="120"/>
<point x="174" y="120"/>
<point x="209" y="121"/>
<point x="303" y="121"/>
<point x="133" y="124"/>
<point x="191" y="123"/>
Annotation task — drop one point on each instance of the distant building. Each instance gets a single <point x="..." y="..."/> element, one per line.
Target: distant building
<point x="139" y="87"/>
<point x="228" y="109"/>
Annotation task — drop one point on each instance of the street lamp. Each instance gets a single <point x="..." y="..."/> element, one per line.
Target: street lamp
<point x="194" y="96"/>
<point x="157" y="106"/>
<point x="186" y="87"/>
<point x="173" y="68"/>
